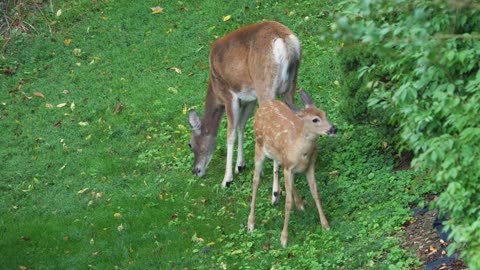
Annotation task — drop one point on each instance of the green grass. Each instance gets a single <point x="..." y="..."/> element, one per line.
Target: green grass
<point x="95" y="186"/>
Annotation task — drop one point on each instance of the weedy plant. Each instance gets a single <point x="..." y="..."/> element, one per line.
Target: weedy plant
<point x="18" y="17"/>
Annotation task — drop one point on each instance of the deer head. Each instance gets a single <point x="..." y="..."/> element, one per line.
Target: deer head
<point x="315" y="120"/>
<point x="202" y="144"/>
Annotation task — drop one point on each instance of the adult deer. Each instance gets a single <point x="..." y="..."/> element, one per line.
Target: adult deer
<point x="256" y="62"/>
<point x="290" y="139"/>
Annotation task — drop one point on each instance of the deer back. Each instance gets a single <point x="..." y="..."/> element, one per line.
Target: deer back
<point x="243" y="59"/>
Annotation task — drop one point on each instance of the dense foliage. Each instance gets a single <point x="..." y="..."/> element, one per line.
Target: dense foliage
<point x="425" y="77"/>
<point x="96" y="171"/>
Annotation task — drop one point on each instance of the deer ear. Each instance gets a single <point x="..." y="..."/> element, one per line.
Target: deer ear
<point x="194" y="121"/>
<point x="306" y="98"/>
<point x="292" y="107"/>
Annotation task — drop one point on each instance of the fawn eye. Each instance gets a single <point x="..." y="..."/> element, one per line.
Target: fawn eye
<point x="316" y="120"/>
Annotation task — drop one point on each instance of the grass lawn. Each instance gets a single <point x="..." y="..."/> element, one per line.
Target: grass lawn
<point x="95" y="169"/>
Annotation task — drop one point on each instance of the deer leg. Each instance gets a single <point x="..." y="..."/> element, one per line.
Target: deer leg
<point x="313" y="189"/>
<point x="298" y="199"/>
<point x="288" y="97"/>
<point x="276" y="189"/>
<point x="292" y="83"/>
<point x="288" y="204"/>
<point x="259" y="158"/>
<point x="245" y="112"/>
<point x="232" y="120"/>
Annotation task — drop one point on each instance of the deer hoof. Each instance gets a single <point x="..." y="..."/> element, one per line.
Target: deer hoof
<point x="241" y="168"/>
<point x="284" y="240"/>
<point x="276" y="197"/>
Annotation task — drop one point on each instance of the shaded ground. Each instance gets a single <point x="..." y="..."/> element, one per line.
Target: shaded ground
<point x="423" y="239"/>
<point x="423" y="234"/>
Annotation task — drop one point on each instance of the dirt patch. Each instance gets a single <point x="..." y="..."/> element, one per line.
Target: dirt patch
<point x="423" y="233"/>
<point x="422" y="237"/>
<point x="403" y="161"/>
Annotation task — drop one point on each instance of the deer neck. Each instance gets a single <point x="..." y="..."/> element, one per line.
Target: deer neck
<point x="308" y="136"/>
<point x="213" y="113"/>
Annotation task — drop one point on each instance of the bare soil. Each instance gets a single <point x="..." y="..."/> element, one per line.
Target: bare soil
<point x="424" y="240"/>
<point x="421" y="235"/>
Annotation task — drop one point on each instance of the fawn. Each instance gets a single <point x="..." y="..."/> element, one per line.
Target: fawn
<point x="289" y="137"/>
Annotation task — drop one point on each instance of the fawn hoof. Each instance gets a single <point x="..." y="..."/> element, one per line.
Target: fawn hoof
<point x="251" y="223"/>
<point x="284" y="240"/>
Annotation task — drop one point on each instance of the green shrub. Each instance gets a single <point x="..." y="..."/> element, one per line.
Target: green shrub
<point x="430" y="53"/>
<point x="356" y="91"/>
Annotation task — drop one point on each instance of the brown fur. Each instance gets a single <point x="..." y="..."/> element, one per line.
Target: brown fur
<point x="244" y="67"/>
<point x="290" y="140"/>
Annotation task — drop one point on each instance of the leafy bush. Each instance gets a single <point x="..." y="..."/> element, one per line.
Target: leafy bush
<point x="356" y="91"/>
<point x="430" y="52"/>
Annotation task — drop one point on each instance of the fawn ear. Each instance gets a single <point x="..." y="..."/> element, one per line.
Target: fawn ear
<point x="306" y="99"/>
<point x="195" y="122"/>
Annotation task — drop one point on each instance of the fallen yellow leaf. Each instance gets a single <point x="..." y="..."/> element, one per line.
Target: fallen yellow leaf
<point x="99" y="195"/>
<point x="156" y="10"/>
<point x="61" y="105"/>
<point x="197" y="239"/>
<point x="94" y="60"/>
<point x="83" y="191"/>
<point x="30" y="188"/>
<point x="38" y="94"/>
<point x="177" y="70"/>
<point x="67" y="41"/>
<point x="77" y="52"/>
<point x="226" y="18"/>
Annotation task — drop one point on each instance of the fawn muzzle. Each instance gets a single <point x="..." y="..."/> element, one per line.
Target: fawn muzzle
<point x="332" y="131"/>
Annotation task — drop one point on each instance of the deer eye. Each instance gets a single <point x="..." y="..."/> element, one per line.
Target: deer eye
<point x="316" y="120"/>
